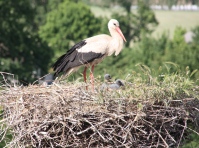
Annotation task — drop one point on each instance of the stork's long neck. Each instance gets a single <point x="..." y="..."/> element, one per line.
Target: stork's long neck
<point x="116" y="43"/>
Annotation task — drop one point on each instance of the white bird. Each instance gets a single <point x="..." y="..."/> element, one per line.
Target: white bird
<point x="91" y="51"/>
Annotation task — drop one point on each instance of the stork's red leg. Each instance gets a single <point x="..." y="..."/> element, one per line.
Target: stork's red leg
<point x="84" y="73"/>
<point x="92" y="76"/>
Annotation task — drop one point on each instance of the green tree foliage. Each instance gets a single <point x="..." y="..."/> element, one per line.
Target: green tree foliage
<point x="182" y="53"/>
<point x="155" y="52"/>
<point x="42" y="7"/>
<point x="69" y="23"/>
<point x="196" y="35"/>
<point x="136" y="24"/>
<point x="125" y="4"/>
<point x="192" y="141"/>
<point x="21" y="50"/>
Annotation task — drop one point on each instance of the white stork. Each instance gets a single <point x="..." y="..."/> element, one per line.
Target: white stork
<point x="91" y="51"/>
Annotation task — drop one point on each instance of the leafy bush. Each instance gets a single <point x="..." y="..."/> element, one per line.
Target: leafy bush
<point x="21" y="50"/>
<point x="68" y="24"/>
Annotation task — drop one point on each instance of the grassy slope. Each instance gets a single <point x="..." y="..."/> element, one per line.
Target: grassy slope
<point x="168" y="20"/>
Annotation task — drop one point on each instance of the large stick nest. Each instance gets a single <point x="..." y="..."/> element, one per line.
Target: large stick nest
<point x="69" y="116"/>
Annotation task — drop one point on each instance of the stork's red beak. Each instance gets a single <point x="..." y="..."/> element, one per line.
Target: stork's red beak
<point x="120" y="33"/>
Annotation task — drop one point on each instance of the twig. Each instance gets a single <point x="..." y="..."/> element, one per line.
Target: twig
<point x="185" y="126"/>
<point x="92" y="126"/>
<point x="169" y="135"/>
<point x="196" y="109"/>
<point x="158" y="135"/>
<point x="188" y="128"/>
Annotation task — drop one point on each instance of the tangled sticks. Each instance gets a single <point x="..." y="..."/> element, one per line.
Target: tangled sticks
<point x="68" y="116"/>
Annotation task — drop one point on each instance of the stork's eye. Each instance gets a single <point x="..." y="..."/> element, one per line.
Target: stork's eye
<point x="114" y="24"/>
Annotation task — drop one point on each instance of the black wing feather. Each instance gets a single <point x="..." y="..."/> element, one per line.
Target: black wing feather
<point x="62" y="61"/>
<point x="73" y="58"/>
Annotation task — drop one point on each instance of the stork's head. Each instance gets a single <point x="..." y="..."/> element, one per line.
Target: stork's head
<point x="113" y="24"/>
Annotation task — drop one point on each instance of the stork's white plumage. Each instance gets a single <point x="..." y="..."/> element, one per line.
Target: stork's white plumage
<point x="91" y="51"/>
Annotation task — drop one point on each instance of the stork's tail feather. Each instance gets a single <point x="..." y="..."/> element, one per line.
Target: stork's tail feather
<point x="60" y="65"/>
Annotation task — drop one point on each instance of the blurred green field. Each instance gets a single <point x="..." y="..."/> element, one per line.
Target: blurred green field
<point x="168" y="20"/>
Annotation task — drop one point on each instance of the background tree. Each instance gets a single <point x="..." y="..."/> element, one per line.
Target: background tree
<point x="42" y="7"/>
<point x="21" y="50"/>
<point x="136" y="24"/>
<point x="69" y="23"/>
<point x="182" y="53"/>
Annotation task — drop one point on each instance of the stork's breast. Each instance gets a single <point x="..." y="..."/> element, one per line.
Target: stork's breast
<point x="99" y="60"/>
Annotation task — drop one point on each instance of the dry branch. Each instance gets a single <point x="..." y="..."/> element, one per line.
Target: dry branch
<point x="69" y="116"/>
